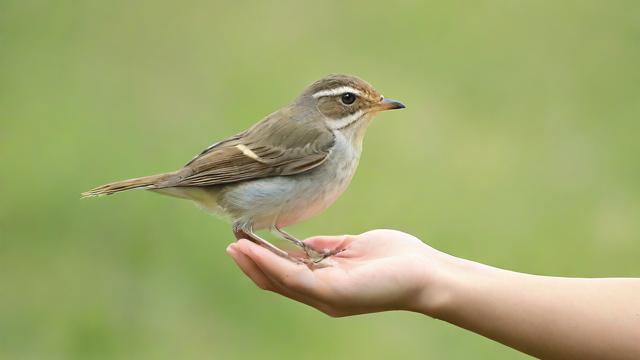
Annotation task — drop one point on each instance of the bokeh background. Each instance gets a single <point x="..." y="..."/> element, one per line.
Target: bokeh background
<point x="519" y="148"/>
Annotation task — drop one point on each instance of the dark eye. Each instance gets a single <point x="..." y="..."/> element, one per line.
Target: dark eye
<point x="348" y="98"/>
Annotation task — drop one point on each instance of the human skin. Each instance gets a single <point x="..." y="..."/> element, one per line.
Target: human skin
<point x="380" y="270"/>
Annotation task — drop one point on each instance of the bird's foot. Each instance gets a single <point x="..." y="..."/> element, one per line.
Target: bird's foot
<point x="315" y="256"/>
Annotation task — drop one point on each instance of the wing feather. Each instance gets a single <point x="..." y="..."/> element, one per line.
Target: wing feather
<point x="279" y="145"/>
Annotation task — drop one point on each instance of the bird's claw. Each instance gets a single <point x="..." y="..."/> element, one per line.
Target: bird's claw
<point x="316" y="256"/>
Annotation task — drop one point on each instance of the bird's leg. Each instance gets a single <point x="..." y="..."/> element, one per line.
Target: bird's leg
<point x="285" y="235"/>
<point x="315" y="255"/>
<point x="241" y="233"/>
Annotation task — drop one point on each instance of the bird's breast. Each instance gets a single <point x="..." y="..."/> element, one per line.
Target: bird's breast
<point x="320" y="188"/>
<point x="287" y="200"/>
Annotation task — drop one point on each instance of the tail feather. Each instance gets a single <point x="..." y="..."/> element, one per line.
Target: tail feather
<point x="146" y="182"/>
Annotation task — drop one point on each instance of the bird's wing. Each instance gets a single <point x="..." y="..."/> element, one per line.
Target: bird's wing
<point x="288" y="149"/>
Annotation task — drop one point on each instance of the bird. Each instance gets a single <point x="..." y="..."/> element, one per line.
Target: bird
<point x="288" y="167"/>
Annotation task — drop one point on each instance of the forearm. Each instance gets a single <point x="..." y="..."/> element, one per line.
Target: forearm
<point x="548" y="317"/>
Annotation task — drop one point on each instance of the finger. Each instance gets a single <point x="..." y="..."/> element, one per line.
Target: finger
<point x="284" y="272"/>
<point x="279" y="289"/>
<point x="245" y="249"/>
<point x="329" y="243"/>
<point x="250" y="269"/>
<point x="296" y="253"/>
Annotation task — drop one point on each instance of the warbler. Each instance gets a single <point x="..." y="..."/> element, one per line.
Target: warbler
<point x="288" y="167"/>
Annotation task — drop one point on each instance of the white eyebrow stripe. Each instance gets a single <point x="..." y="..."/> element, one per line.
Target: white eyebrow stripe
<point x="346" y="121"/>
<point x="336" y="91"/>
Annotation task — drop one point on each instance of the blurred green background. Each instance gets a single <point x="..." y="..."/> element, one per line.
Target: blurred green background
<point x="519" y="148"/>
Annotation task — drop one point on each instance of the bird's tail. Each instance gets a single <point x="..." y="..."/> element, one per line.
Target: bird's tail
<point x="146" y="182"/>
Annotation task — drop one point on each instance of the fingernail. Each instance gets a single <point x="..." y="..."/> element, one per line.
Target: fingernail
<point x="230" y="249"/>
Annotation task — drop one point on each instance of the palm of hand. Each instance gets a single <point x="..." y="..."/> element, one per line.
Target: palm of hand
<point x="378" y="270"/>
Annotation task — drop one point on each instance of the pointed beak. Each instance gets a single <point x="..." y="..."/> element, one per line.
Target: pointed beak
<point x="390" y="104"/>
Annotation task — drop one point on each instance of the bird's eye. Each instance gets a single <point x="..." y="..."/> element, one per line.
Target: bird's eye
<point x="348" y="98"/>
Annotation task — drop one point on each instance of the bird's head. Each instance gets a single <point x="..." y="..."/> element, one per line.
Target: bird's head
<point x="346" y="103"/>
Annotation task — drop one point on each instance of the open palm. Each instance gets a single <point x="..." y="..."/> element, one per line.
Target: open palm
<point x="378" y="270"/>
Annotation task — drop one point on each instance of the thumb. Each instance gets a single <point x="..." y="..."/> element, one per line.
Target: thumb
<point x="329" y="243"/>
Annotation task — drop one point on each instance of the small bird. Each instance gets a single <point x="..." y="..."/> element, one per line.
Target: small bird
<point x="287" y="168"/>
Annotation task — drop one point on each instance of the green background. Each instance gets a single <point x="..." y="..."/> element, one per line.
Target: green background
<point x="519" y="148"/>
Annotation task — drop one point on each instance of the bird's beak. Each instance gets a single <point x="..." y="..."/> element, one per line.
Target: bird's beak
<point x="390" y="104"/>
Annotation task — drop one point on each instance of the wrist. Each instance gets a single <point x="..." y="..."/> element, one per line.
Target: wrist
<point x="445" y="289"/>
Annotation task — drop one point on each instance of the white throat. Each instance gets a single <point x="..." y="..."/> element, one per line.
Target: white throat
<point x="354" y="130"/>
<point x="346" y="121"/>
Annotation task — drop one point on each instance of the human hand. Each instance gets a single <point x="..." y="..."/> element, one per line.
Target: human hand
<point x="379" y="270"/>
<point x="544" y="316"/>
